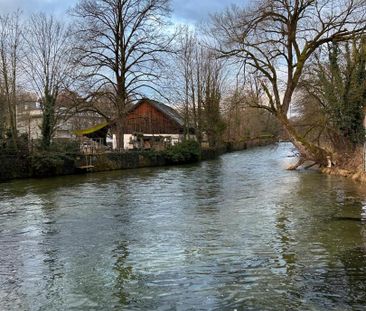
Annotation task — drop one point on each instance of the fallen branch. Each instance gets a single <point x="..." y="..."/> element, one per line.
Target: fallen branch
<point x="299" y="162"/>
<point x="310" y="165"/>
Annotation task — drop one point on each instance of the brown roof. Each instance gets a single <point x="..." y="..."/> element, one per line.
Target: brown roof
<point x="168" y="111"/>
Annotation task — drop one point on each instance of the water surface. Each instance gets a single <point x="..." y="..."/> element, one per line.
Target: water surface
<point x="239" y="232"/>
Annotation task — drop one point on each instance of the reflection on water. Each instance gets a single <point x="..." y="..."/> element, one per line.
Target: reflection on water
<point x="363" y="212"/>
<point x="239" y="232"/>
<point x="124" y="272"/>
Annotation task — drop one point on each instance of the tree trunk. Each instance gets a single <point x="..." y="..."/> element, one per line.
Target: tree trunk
<point x="13" y="122"/>
<point x="307" y="150"/>
<point x="120" y="133"/>
<point x="48" y="121"/>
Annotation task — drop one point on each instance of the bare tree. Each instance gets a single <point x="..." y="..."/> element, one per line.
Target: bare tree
<point x="185" y="79"/>
<point x="276" y="38"/>
<point x="122" y="42"/>
<point x="198" y="78"/>
<point x="10" y="32"/>
<point x="49" y="66"/>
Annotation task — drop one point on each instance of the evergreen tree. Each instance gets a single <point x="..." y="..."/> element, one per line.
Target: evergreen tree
<point x="344" y="90"/>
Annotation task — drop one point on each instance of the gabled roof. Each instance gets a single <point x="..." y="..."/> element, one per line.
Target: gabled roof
<point x="168" y="111"/>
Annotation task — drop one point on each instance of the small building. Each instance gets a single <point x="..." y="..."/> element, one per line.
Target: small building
<point x="150" y="124"/>
<point x="94" y="139"/>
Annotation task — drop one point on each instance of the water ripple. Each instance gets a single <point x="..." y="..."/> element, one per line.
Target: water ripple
<point x="236" y="233"/>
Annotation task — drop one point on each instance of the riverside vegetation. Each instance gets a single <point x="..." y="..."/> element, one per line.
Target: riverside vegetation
<point x="64" y="158"/>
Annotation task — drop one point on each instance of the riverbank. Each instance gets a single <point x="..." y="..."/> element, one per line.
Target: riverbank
<point x="358" y="176"/>
<point x="349" y="166"/>
<point x="58" y="164"/>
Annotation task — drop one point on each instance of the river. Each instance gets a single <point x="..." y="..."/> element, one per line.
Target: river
<point x="236" y="233"/>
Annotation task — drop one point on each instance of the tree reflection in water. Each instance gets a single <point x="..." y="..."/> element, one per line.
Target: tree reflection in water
<point x="124" y="272"/>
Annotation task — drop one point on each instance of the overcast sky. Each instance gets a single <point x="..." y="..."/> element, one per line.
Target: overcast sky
<point x="189" y="11"/>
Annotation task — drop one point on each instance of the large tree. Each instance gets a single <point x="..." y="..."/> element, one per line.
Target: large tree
<point x="49" y="66"/>
<point x="10" y="44"/>
<point x="275" y="39"/>
<point x="343" y="90"/>
<point x="122" y="42"/>
<point x="330" y="104"/>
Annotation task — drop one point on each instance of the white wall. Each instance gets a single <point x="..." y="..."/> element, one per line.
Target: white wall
<point x="176" y="138"/>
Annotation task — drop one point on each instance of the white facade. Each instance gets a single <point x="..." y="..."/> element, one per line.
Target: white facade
<point x="30" y="122"/>
<point x="129" y="139"/>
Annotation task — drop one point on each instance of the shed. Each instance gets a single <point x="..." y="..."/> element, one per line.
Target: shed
<point x="150" y="118"/>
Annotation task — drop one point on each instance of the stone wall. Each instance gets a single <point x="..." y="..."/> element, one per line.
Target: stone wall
<point x="116" y="161"/>
<point x="47" y="165"/>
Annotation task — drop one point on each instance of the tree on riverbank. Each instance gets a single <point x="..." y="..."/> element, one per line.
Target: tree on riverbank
<point x="198" y="83"/>
<point x="330" y="107"/>
<point x="49" y="66"/>
<point x="10" y="44"/>
<point x="342" y="91"/>
<point x="245" y="122"/>
<point x="275" y="40"/>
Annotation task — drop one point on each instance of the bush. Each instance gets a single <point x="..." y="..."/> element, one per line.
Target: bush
<point x="47" y="164"/>
<point x="65" y="146"/>
<point x="187" y="151"/>
<point x="18" y="147"/>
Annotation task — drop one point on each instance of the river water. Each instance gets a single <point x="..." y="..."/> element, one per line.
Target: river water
<point x="236" y="233"/>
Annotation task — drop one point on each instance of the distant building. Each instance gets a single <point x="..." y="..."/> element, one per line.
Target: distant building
<point x="29" y="118"/>
<point x="30" y="114"/>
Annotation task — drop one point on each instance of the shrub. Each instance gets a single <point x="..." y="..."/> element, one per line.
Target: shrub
<point x="187" y="151"/>
<point x="46" y="164"/>
<point x="65" y="146"/>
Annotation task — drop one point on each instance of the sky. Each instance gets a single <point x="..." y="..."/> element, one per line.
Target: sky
<point x="196" y="11"/>
<point x="184" y="11"/>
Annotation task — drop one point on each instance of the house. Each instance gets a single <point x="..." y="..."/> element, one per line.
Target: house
<point x="150" y="124"/>
<point x="30" y="118"/>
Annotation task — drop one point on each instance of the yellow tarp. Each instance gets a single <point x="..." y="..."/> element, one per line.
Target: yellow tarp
<point x="90" y="130"/>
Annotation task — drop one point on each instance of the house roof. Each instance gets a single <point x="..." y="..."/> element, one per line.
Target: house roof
<point x="168" y="111"/>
